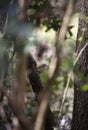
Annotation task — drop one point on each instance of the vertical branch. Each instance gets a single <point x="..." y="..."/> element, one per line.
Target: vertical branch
<point x="60" y="38"/>
<point x="19" y="90"/>
<point x="21" y="60"/>
<point x="20" y="78"/>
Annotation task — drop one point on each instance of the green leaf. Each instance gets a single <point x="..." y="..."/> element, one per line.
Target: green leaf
<point x="85" y="87"/>
<point x="80" y="39"/>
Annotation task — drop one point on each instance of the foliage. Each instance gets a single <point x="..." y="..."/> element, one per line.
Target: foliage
<point x="85" y="87"/>
<point x="21" y="38"/>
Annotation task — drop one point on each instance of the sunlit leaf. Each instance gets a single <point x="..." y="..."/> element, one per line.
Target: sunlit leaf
<point x="80" y="39"/>
<point x="85" y="87"/>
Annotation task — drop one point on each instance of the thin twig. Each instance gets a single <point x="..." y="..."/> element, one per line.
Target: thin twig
<point x="79" y="54"/>
<point x="70" y="75"/>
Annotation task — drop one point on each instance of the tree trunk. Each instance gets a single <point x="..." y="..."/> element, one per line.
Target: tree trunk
<point x="80" y="109"/>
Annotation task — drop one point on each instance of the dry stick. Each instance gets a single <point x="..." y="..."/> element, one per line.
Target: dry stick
<point x="81" y="51"/>
<point x="65" y="92"/>
<point x="43" y="105"/>
<point x="70" y="75"/>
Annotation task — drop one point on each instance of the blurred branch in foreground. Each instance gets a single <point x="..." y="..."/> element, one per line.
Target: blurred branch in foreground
<point x="47" y="92"/>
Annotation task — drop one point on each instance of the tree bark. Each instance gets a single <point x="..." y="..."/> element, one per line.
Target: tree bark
<point x="80" y="108"/>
